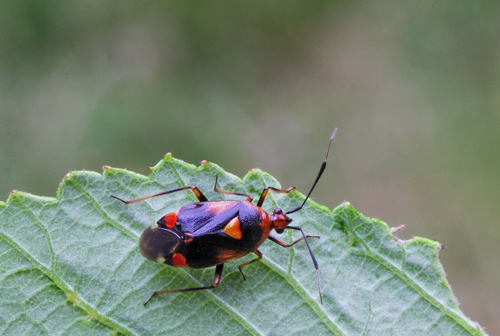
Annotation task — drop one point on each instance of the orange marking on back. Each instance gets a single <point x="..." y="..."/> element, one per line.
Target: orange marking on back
<point x="265" y="224"/>
<point x="178" y="260"/>
<point x="170" y="220"/>
<point x="219" y="206"/>
<point x="232" y="228"/>
<point x="226" y="255"/>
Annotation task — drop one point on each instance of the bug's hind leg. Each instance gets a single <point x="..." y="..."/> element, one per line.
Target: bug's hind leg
<point x="195" y="190"/>
<point x="217" y="277"/>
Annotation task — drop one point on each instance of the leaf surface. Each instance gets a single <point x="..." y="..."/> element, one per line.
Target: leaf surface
<point x="71" y="266"/>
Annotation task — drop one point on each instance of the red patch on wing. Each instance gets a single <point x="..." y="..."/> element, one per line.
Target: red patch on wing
<point x="170" y="220"/>
<point x="178" y="260"/>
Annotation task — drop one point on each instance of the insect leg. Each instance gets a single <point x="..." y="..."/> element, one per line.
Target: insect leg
<point x="249" y="197"/>
<point x="217" y="277"/>
<point x="266" y="189"/>
<point x="195" y="190"/>
<point x="312" y="255"/>
<point x="259" y="256"/>
<point x="282" y="243"/>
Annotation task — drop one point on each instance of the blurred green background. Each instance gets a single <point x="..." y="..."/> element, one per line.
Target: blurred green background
<point x="414" y="89"/>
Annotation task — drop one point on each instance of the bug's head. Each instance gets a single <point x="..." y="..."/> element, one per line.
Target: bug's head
<point x="158" y="244"/>
<point x="280" y="220"/>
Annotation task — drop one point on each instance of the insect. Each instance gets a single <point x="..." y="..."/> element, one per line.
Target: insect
<point x="211" y="233"/>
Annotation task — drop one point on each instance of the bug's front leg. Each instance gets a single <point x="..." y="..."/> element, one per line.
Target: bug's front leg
<point x="266" y="190"/>
<point x="282" y="243"/>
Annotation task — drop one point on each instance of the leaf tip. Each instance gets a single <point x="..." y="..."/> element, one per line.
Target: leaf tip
<point x="167" y="158"/>
<point x="254" y="172"/>
<point x="395" y="230"/>
<point x="108" y="171"/>
<point x="13" y="193"/>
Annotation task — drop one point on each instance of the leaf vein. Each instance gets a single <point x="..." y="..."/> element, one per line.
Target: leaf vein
<point x="423" y="293"/>
<point x="80" y="302"/>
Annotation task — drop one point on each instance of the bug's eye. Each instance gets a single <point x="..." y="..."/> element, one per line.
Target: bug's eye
<point x="279" y="229"/>
<point x="157" y="244"/>
<point x="278" y="211"/>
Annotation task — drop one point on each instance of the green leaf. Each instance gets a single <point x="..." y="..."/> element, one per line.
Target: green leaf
<point x="71" y="266"/>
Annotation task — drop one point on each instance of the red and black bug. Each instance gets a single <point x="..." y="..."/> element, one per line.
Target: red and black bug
<point x="211" y="233"/>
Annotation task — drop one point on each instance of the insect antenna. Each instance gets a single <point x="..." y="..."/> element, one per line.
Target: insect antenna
<point x="321" y="170"/>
